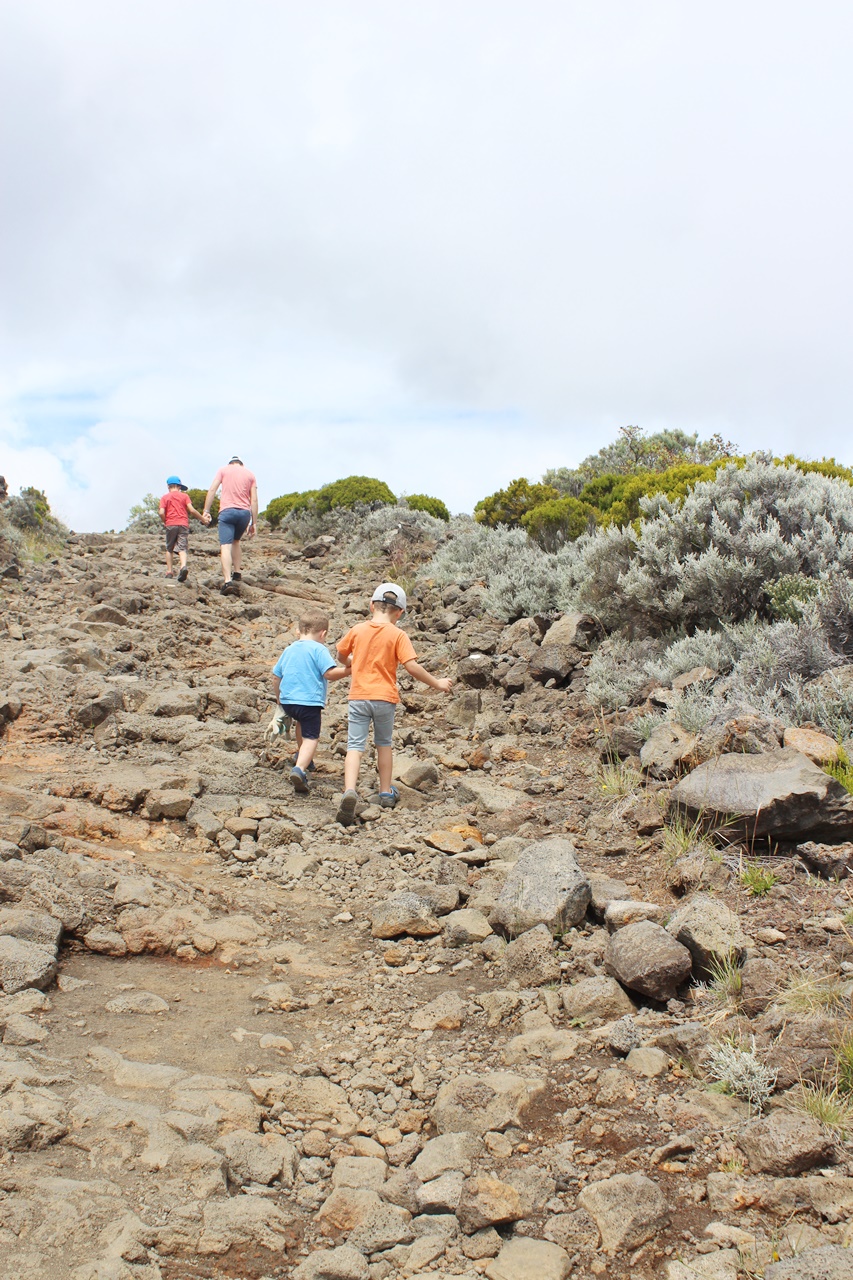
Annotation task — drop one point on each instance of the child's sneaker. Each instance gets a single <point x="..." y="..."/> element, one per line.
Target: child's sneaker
<point x="346" y="809"/>
<point x="182" y="576"/>
<point x="299" y="780"/>
<point x="236" y="576"/>
<point x="389" y="799"/>
<point x="311" y="768"/>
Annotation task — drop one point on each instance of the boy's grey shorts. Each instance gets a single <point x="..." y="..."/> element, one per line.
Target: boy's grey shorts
<point x="360" y="715"/>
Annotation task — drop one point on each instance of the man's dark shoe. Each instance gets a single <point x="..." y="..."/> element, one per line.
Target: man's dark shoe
<point x="236" y="576"/>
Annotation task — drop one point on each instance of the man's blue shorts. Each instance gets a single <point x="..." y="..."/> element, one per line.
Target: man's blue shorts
<point x="233" y="523"/>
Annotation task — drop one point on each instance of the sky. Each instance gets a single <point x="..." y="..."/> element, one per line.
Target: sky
<point x="442" y="244"/>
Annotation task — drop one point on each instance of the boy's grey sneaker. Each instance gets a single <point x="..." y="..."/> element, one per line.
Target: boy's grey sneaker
<point x="389" y="799"/>
<point x="299" y="780"/>
<point x="346" y="809"/>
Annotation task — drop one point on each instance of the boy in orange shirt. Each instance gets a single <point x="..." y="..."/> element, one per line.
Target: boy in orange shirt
<point x="374" y="649"/>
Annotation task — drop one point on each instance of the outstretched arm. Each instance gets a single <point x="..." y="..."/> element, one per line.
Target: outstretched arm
<point x="208" y="502"/>
<point x="337" y="673"/>
<point x="443" y="683"/>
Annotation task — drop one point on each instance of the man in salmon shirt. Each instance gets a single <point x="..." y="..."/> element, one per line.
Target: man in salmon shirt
<point x="238" y="514"/>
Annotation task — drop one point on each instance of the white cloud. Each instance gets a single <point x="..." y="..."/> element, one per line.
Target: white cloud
<point x="445" y="245"/>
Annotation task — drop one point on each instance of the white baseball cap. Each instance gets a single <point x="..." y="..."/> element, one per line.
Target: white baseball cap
<point x="390" y="593"/>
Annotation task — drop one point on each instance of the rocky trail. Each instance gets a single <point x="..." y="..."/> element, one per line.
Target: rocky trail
<point x="470" y="1036"/>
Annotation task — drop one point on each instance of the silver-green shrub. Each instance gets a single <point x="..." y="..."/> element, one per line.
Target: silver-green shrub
<point x="709" y="558"/>
<point x="520" y="579"/>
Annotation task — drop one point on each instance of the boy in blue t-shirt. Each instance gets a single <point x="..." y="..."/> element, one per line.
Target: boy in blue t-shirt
<point x="299" y="679"/>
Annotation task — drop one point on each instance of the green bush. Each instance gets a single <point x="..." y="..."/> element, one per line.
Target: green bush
<point x="29" y="510"/>
<point x="634" y="453"/>
<point x="508" y="505"/>
<point x="197" y="497"/>
<point x="617" y="497"/>
<point x="351" y="492"/>
<point x="790" y="594"/>
<point x="561" y="520"/>
<point x="282" y="506"/>
<point x="432" y="506"/>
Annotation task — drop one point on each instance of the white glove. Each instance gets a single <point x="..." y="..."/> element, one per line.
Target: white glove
<point x="279" y="726"/>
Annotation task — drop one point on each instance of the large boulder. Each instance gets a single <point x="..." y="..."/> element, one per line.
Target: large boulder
<point x="646" y="959"/>
<point x="553" y="662"/>
<point x="785" y="1144"/>
<point x="745" y="732"/>
<point x="710" y="931"/>
<point x="546" y="886"/>
<point x="628" y="1210"/>
<point x="530" y="959"/>
<point x="522" y="1258"/>
<point x="661" y="755"/>
<point x="825" y="1262"/>
<point x="596" y="999"/>
<point x="778" y="793"/>
<point x="578" y="629"/>
<point x="481" y="1104"/>
<point x="25" y="964"/>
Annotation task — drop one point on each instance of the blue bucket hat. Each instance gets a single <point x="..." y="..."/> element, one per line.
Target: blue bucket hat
<point x="177" y="480"/>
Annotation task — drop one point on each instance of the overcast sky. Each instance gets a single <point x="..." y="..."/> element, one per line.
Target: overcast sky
<point x="444" y="244"/>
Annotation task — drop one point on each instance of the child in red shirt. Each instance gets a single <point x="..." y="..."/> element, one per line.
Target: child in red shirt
<point x="175" y="511"/>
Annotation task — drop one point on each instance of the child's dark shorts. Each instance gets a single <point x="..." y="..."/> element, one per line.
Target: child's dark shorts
<point x="308" y="718"/>
<point x="177" y="537"/>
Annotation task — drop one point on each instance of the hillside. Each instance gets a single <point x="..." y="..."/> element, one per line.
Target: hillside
<point x="535" y="1022"/>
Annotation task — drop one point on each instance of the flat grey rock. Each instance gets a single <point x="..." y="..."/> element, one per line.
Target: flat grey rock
<point x="777" y="793"/>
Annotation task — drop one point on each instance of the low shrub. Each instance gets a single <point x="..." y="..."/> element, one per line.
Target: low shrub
<point x="707" y="559"/>
<point x="198" y="496"/>
<point x="518" y="576"/>
<point x="742" y="1072"/>
<point x="432" y="506"/>
<point x="790" y="595"/>
<point x="562" y="520"/>
<point x="352" y="491"/>
<point x="278" y="508"/>
<point x="144" y="517"/>
<point x="508" y="505"/>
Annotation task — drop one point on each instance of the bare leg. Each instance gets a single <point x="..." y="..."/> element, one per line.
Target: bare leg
<point x="182" y="556"/>
<point x="225" y="556"/>
<point x="168" y="562"/>
<point x="352" y="764"/>
<point x="307" y="749"/>
<point x="236" y="556"/>
<point x="385" y="761"/>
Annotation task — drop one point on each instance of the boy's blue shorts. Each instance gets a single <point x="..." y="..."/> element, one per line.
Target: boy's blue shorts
<point x="233" y="523"/>
<point x="308" y="718"/>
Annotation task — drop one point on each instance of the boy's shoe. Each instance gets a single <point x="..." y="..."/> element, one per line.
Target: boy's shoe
<point x="236" y="576"/>
<point x="168" y="575"/>
<point x="299" y="780"/>
<point x="311" y="768"/>
<point x="389" y="799"/>
<point x="182" y="576"/>
<point x="227" y="589"/>
<point x="346" y="809"/>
